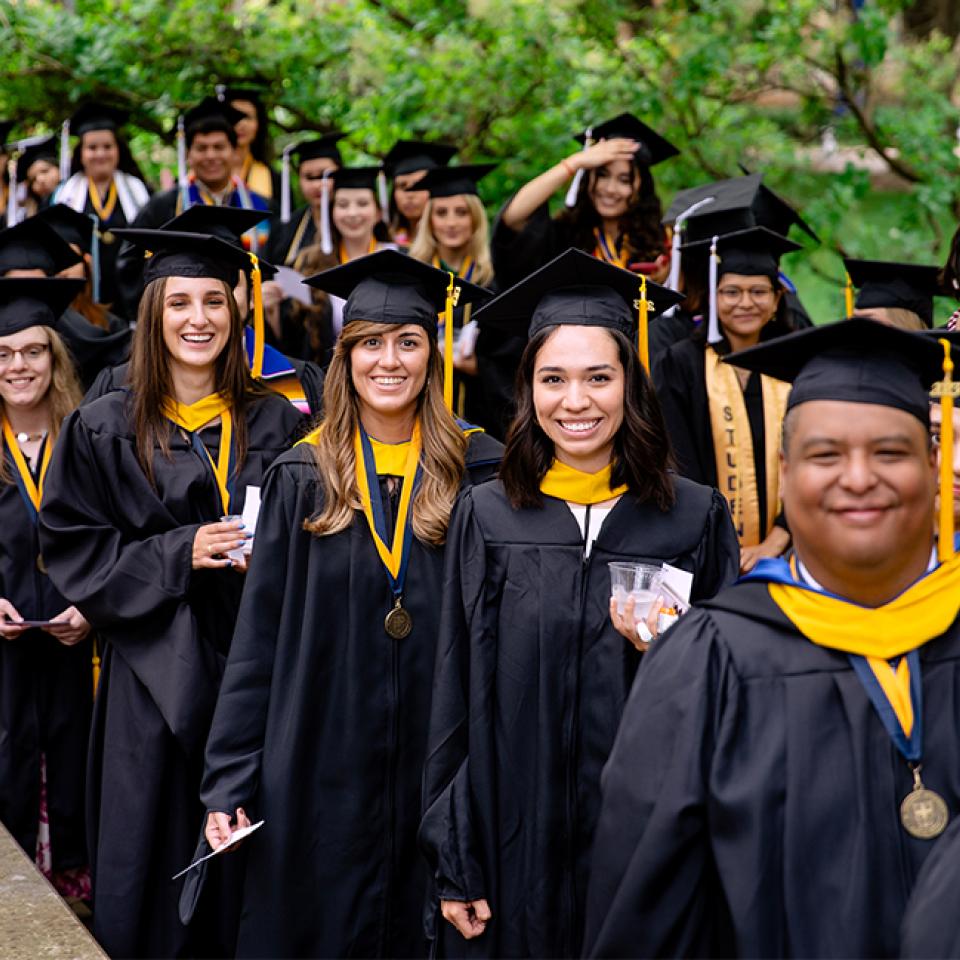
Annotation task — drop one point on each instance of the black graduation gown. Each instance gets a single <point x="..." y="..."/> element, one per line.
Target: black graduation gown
<point x="309" y="375"/>
<point x="518" y="253"/>
<point x="46" y="697"/>
<point x="530" y="684"/>
<point x="94" y="349"/>
<point x="680" y="379"/>
<point x="931" y="924"/>
<point x="109" y="248"/>
<point x="320" y="730"/>
<point x="751" y="802"/>
<point x="121" y="552"/>
<point x="282" y="234"/>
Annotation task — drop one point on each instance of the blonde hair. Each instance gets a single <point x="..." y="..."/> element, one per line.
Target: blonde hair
<point x="441" y="458"/>
<point x="425" y="247"/>
<point x="64" y="392"/>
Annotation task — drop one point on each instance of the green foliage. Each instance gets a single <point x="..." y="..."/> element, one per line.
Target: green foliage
<point x="730" y="81"/>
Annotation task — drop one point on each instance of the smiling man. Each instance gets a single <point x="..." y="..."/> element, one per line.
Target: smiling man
<point x="788" y="755"/>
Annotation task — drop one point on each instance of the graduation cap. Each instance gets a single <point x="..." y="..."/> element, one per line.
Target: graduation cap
<point x="319" y="147"/>
<point x="34" y="302"/>
<point x="653" y="148"/>
<point x="455" y="181"/>
<point x="77" y="229"/>
<point x="97" y="116"/>
<point x="580" y="290"/>
<point x="389" y="287"/>
<point x="34" y="245"/>
<point x="6" y="126"/>
<point x="355" y="178"/>
<point x="752" y="252"/>
<point x="409" y="156"/>
<point x="211" y="109"/>
<point x="179" y="253"/>
<point x="904" y="286"/>
<point x="735" y="204"/>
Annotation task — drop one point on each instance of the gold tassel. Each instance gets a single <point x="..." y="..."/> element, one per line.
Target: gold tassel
<point x="448" y="346"/>
<point x="96" y="666"/>
<point x="259" y="333"/>
<point x="848" y="297"/>
<point x="946" y="390"/>
<point x="643" y="331"/>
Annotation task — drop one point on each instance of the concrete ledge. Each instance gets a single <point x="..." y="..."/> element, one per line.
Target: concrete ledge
<point x="34" y="921"/>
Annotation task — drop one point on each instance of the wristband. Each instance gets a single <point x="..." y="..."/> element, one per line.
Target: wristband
<point x="566" y="166"/>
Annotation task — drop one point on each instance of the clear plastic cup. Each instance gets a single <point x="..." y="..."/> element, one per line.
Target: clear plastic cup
<point x="638" y="580"/>
<point x="238" y="553"/>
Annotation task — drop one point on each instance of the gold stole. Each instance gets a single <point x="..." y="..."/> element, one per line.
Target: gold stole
<point x="256" y="176"/>
<point x="733" y="446"/>
<point x="566" y="483"/>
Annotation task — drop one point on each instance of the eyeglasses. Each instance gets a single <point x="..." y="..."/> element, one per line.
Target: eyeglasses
<point x="732" y="295"/>
<point x="32" y="352"/>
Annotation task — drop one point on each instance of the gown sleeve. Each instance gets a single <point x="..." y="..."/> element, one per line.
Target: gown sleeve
<point x="718" y="563"/>
<point x="653" y="885"/>
<point x="447" y="832"/>
<point x="517" y="253"/>
<point x="672" y="380"/>
<point x="108" y="574"/>
<point x="235" y="743"/>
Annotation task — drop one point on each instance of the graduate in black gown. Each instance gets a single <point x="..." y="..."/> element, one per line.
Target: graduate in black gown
<point x="46" y="683"/>
<point x="132" y="534"/>
<point x="407" y="163"/>
<point x="787" y="757"/>
<point x="300" y="381"/>
<point x="321" y="722"/>
<point x="724" y="424"/>
<point x="898" y="294"/>
<point x="531" y="674"/>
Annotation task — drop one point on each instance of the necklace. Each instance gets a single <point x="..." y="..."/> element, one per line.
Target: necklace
<point x="30" y="437"/>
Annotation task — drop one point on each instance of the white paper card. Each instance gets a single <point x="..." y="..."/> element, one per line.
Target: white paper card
<point x="679" y="583"/>
<point x="292" y="285"/>
<point x="235" y="838"/>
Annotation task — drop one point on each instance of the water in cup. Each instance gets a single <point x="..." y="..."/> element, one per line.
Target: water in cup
<point x="638" y="580"/>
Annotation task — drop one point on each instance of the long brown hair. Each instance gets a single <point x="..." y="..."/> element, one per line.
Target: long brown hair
<point x="151" y="380"/>
<point x="64" y="393"/>
<point x="441" y="459"/>
<point x="641" y="448"/>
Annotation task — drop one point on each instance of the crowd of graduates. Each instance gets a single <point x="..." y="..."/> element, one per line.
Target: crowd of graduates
<point x="308" y="516"/>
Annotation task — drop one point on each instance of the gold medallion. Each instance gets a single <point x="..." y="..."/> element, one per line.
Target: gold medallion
<point x="107" y="237"/>
<point x="398" y="623"/>
<point x="41" y="566"/>
<point x="923" y="813"/>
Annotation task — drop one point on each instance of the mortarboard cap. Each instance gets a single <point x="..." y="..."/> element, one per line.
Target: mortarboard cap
<point x="6" y="126"/>
<point x="45" y="150"/>
<point x="455" y="181"/>
<point x="184" y="254"/>
<point x="34" y="302"/>
<point x="75" y="228"/>
<point x="736" y="204"/>
<point x="357" y="178"/>
<point x="34" y="245"/>
<point x="409" y="156"/>
<point x="325" y="146"/>
<point x="226" y="223"/>
<point x="210" y="108"/>
<point x="754" y="251"/>
<point x="578" y="290"/>
<point x="653" y="148"/>
<point x="905" y="286"/>
<point x="97" y="116"/>
<point x="854" y="361"/>
<point x="390" y="287"/>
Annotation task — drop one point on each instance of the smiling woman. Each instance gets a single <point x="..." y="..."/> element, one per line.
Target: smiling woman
<point x="132" y="533"/>
<point x="531" y="672"/>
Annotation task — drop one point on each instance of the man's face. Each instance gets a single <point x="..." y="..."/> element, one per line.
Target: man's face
<point x="859" y="485"/>
<point x="210" y="157"/>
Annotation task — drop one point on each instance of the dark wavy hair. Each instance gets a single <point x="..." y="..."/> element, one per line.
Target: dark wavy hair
<point x="642" y="458"/>
<point x="641" y="223"/>
<point x="125" y="164"/>
<point x="261" y="147"/>
<point x="949" y="277"/>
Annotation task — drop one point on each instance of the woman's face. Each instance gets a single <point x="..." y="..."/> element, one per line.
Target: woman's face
<point x="355" y="213"/>
<point x="613" y="187"/>
<point x="26" y="367"/>
<point x="312" y="182"/>
<point x="745" y="304"/>
<point x="99" y="154"/>
<point x="410" y="202"/>
<point x="43" y="178"/>
<point x="389" y="369"/>
<point x="451" y="222"/>
<point x="578" y="386"/>
<point x="936" y="420"/>
<point x="196" y="321"/>
<point x="247" y="127"/>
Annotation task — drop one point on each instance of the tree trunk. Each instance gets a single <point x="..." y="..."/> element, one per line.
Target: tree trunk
<point x="922" y="17"/>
